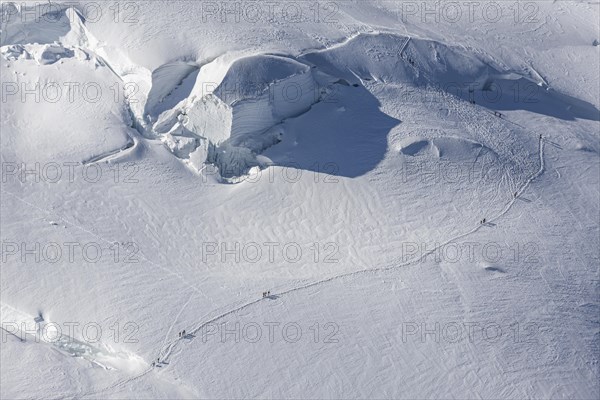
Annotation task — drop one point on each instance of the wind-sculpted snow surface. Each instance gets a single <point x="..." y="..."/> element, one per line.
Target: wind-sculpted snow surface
<point x="412" y="209"/>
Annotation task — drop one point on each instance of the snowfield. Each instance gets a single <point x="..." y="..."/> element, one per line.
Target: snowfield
<point x="346" y="199"/>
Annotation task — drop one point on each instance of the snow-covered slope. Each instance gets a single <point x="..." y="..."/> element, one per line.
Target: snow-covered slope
<point x="418" y="192"/>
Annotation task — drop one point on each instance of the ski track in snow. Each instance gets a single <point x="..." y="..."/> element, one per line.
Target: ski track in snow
<point x="168" y="347"/>
<point x="404" y="47"/>
<point x="556" y="51"/>
<point x="167" y="350"/>
<point x="176" y="318"/>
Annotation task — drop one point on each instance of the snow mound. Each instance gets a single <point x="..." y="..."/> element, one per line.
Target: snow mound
<point x="44" y="23"/>
<point x="456" y="148"/>
<point x="465" y="73"/>
<point x="54" y="72"/>
<point x="250" y="77"/>
<point x="449" y="148"/>
<point x="56" y="88"/>
<point x="392" y="58"/>
<point x="416" y="147"/>
<point x="39" y="23"/>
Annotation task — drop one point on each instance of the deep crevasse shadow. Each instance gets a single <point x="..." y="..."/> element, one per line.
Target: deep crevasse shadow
<point x="345" y="135"/>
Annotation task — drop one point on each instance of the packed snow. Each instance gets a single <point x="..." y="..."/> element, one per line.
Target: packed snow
<point x="353" y="199"/>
